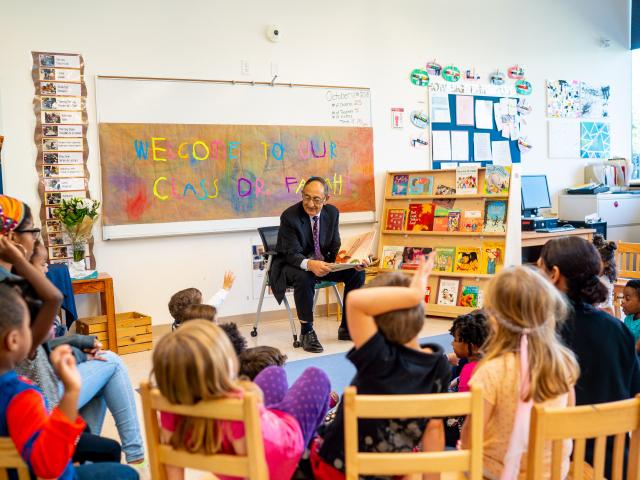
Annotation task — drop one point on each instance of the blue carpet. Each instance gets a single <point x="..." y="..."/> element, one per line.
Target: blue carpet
<point x="340" y="370"/>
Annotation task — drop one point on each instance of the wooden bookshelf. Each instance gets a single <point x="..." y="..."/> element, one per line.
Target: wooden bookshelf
<point x="435" y="239"/>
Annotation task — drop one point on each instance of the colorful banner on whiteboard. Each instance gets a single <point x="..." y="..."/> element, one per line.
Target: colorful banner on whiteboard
<point x="163" y="173"/>
<point x="61" y="128"/>
<point x="575" y="99"/>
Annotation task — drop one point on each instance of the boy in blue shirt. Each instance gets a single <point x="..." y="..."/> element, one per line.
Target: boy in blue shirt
<point x="631" y="309"/>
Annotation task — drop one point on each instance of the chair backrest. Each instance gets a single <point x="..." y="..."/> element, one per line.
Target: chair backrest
<point x="412" y="406"/>
<point x="597" y="422"/>
<point x="253" y="465"/>
<point x="628" y="261"/>
<point x="269" y="237"/>
<point x="11" y="459"/>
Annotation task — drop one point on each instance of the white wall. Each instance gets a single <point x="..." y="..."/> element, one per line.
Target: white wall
<point x="366" y="43"/>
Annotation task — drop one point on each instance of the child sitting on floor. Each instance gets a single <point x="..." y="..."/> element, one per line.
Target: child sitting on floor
<point x="254" y="360"/>
<point x="469" y="333"/>
<point x="631" y="309"/>
<point x="191" y="296"/>
<point x="288" y="417"/>
<point x="524" y="363"/>
<point x="202" y="311"/>
<point x="45" y="441"/>
<point x="385" y="319"/>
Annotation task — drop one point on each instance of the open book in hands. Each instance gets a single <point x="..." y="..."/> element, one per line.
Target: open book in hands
<point x="353" y="251"/>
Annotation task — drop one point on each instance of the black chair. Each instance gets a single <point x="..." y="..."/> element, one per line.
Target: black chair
<point x="269" y="237"/>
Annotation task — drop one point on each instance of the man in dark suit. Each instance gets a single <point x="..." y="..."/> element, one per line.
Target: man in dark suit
<point x="308" y="240"/>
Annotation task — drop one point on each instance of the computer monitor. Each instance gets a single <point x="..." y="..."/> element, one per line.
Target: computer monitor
<point x="535" y="194"/>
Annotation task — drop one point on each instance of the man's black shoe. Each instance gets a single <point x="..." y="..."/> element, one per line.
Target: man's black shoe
<point x="343" y="334"/>
<point x="310" y="342"/>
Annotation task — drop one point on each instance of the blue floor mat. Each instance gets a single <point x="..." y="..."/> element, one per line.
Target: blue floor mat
<point x="340" y="370"/>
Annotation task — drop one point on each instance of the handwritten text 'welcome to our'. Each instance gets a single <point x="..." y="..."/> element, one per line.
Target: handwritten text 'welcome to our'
<point x="198" y="151"/>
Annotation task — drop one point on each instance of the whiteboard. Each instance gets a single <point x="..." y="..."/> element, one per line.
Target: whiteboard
<point x="186" y="101"/>
<point x="133" y="100"/>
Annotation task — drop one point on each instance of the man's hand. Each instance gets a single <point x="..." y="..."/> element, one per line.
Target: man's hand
<point x="365" y="263"/>
<point x="318" y="267"/>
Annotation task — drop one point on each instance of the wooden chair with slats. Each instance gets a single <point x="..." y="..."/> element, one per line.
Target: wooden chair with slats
<point x="582" y="423"/>
<point x="253" y="465"/>
<point x="628" y="264"/>
<point x="11" y="459"/>
<point x="412" y="406"/>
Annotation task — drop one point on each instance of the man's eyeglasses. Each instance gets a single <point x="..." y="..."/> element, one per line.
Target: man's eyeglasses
<point x="316" y="200"/>
<point x="33" y="231"/>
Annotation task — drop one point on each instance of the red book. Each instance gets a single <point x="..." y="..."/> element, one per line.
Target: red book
<point x="420" y="217"/>
<point x="427" y="295"/>
<point x="395" y="218"/>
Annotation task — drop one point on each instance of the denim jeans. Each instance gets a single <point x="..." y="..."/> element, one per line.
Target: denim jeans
<point x="105" y="471"/>
<point x="106" y="384"/>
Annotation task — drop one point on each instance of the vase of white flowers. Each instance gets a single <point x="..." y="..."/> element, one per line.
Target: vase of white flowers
<point x="78" y="216"/>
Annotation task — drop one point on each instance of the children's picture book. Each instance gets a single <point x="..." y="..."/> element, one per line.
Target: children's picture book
<point x="441" y="224"/>
<point x="444" y="259"/>
<point x="467" y="260"/>
<point x="453" y="223"/>
<point x="420" y="217"/>
<point x="467" y="180"/>
<point x="495" y="216"/>
<point x="396" y="218"/>
<point x="420" y="184"/>
<point x="391" y="257"/>
<point x="353" y="251"/>
<point x="411" y="257"/>
<point x="400" y="185"/>
<point x="496" y="180"/>
<point x="442" y="211"/>
<point x="445" y="190"/>
<point x="469" y="296"/>
<point x="448" y="290"/>
<point x="471" y="221"/>
<point x="492" y="257"/>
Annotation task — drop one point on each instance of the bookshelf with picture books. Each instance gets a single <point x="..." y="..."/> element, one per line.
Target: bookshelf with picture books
<point x="460" y="214"/>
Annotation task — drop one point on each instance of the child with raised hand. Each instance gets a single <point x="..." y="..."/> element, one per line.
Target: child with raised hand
<point x="45" y="441"/>
<point x="197" y="362"/>
<point x="524" y="363"/>
<point x="191" y="296"/>
<point x="385" y="319"/>
<point x="631" y="309"/>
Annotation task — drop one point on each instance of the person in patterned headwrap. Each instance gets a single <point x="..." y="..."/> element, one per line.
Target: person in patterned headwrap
<point x="17" y="237"/>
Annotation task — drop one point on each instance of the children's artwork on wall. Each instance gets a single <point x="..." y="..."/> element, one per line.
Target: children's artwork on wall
<point x="434" y="68"/>
<point x="419" y="77"/>
<point x="497" y="78"/>
<point x="575" y="99"/>
<point x="516" y="72"/>
<point x="563" y="99"/>
<point x="594" y="100"/>
<point x="451" y="73"/>
<point x="595" y="141"/>
<point x="523" y="87"/>
<point x="419" y="119"/>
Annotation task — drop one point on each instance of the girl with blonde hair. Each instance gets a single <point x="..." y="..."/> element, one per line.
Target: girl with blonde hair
<point x="524" y="363"/>
<point x="197" y="362"/>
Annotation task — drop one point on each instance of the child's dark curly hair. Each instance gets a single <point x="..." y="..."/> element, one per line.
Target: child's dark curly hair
<point x="472" y="328"/>
<point x="607" y="251"/>
<point x="635" y="284"/>
<point x="237" y="340"/>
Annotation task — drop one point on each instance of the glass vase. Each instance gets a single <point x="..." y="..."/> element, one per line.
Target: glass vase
<point x="78" y="252"/>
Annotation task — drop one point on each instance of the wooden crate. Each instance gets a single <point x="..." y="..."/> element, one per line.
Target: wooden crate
<point x="133" y="331"/>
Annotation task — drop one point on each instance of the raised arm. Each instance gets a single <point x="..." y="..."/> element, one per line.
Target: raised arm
<point x="47" y="292"/>
<point x="366" y="303"/>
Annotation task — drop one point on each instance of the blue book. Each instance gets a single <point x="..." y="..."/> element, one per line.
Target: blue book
<point x="495" y="216"/>
<point x="400" y="185"/>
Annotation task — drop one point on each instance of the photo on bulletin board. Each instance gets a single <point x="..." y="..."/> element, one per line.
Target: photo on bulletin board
<point x="460" y="140"/>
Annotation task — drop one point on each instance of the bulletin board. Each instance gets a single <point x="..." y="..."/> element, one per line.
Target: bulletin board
<point x="494" y="133"/>
<point x="188" y="156"/>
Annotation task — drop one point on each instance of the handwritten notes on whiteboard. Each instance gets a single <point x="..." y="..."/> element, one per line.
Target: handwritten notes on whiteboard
<point x="350" y="107"/>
